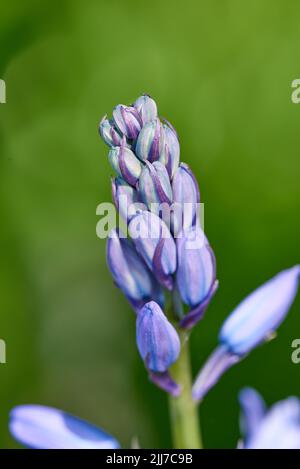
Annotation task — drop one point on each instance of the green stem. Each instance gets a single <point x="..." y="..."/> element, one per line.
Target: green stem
<point x="183" y="410"/>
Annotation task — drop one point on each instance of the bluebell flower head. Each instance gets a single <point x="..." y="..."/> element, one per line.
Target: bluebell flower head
<point x="41" y="427"/>
<point x="127" y="120"/>
<point x="196" y="273"/>
<point x="130" y="273"/>
<point x="251" y="323"/>
<point x="155" y="245"/>
<point x="154" y="186"/>
<point x="125" y="163"/>
<point x="170" y="156"/>
<point x="125" y="197"/>
<point x="186" y="194"/>
<point x="109" y="133"/>
<point x="157" y="340"/>
<point x="276" y="428"/>
<point x="150" y="142"/>
<point x="146" y="106"/>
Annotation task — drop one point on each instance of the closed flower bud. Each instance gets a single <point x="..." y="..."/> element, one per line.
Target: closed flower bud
<point x="196" y="273"/>
<point x="146" y="106"/>
<point x="185" y="195"/>
<point x="130" y="273"/>
<point x="125" y="198"/>
<point x="150" y="142"/>
<point x="171" y="155"/>
<point x="128" y="121"/>
<point x="165" y="381"/>
<point x="109" y="133"/>
<point x="155" y="244"/>
<point x="254" y="321"/>
<point x="154" y="186"/>
<point x="157" y="340"/>
<point x="125" y="163"/>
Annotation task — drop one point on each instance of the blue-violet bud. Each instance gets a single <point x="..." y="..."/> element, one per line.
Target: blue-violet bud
<point x="186" y="196"/>
<point x="128" y="120"/>
<point x="171" y="154"/>
<point x="276" y="428"/>
<point x="196" y="273"/>
<point x="40" y="427"/>
<point x="154" y="186"/>
<point x="109" y="133"/>
<point x="253" y="411"/>
<point x="254" y="321"/>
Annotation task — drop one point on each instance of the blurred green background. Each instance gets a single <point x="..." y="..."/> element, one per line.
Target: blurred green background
<point x="221" y="71"/>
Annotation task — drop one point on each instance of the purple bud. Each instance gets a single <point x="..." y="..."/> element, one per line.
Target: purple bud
<point x="171" y="155"/>
<point x="196" y="273"/>
<point x="146" y="106"/>
<point x="251" y="323"/>
<point x="219" y="361"/>
<point x="125" y="163"/>
<point x="157" y="340"/>
<point x="155" y="244"/>
<point x="125" y="198"/>
<point x="150" y="142"/>
<point x="127" y="120"/>
<point x="185" y="195"/>
<point x="154" y="186"/>
<point x="109" y="133"/>
<point x="130" y="273"/>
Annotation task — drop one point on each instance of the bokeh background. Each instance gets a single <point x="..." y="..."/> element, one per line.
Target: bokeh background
<point x="221" y="71"/>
